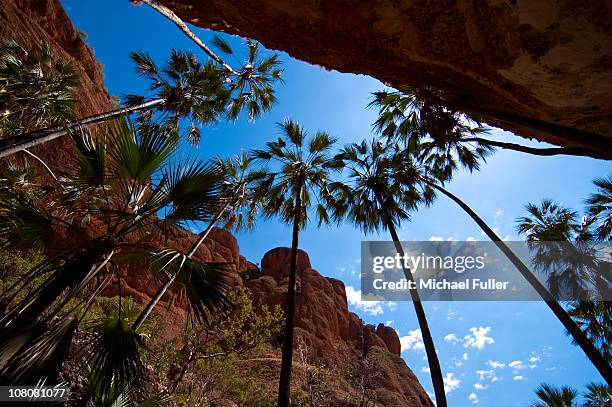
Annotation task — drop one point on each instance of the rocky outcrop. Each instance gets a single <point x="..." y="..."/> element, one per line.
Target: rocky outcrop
<point x="329" y="330"/>
<point x="322" y="315"/>
<point x="543" y="59"/>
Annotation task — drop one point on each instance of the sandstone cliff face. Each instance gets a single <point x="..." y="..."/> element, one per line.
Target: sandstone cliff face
<point x="542" y="59"/>
<point x="332" y="333"/>
<point x="33" y="23"/>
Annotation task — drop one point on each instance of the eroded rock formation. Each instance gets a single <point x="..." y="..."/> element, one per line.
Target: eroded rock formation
<point x="540" y="59"/>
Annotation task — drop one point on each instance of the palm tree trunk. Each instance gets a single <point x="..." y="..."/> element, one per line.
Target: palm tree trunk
<point x="575" y="151"/>
<point x="430" y="347"/>
<point x="162" y="290"/>
<point x="170" y="15"/>
<point x="569" y="324"/>
<point x="284" y="385"/>
<point x="585" y="139"/>
<point x="11" y="145"/>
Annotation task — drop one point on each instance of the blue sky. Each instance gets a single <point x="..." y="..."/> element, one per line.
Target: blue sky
<point x="491" y="352"/>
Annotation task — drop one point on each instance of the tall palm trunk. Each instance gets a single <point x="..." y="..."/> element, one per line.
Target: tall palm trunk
<point x="574" y="151"/>
<point x="11" y="145"/>
<point x="600" y="363"/>
<point x="170" y="15"/>
<point x="284" y="384"/>
<point x="430" y="347"/>
<point x="597" y="143"/>
<point x="162" y="290"/>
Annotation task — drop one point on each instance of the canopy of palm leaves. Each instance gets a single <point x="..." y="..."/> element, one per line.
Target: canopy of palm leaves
<point x="600" y="207"/>
<point x="110" y="206"/>
<point x="551" y="396"/>
<point x="597" y="395"/>
<point x="382" y="181"/>
<point x="238" y="192"/>
<point x="201" y="93"/>
<point x="417" y="117"/>
<point x="295" y="162"/>
<point x="36" y="89"/>
<point x="568" y="253"/>
<point x="251" y="84"/>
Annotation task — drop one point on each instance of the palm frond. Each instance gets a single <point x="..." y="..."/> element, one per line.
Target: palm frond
<point x="205" y="285"/>
<point x="35" y="352"/>
<point x="114" y="354"/>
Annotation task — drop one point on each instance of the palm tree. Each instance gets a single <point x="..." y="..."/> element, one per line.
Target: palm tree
<point x="595" y="319"/>
<point x="109" y="207"/>
<point x="551" y="396"/>
<point x="600" y="207"/>
<point x="598" y="395"/>
<point x="235" y="197"/>
<point x="183" y="88"/>
<point x="377" y="197"/>
<point x="568" y="323"/>
<point x="417" y="177"/>
<point x="551" y="222"/>
<point x="37" y="89"/>
<point x="253" y="77"/>
<point x="301" y="170"/>
<point x="170" y="15"/>
<point x="423" y="113"/>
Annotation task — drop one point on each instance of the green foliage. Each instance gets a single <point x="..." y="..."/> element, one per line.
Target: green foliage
<point x="295" y="166"/>
<point x="551" y="396"/>
<point x="121" y="187"/>
<point x="383" y="185"/>
<point x="36" y="89"/>
<point x="14" y="265"/>
<point x="202" y="93"/>
<point x="576" y="256"/>
<point x="596" y="395"/>
<point x="209" y="363"/>
<point x="446" y="139"/>
<point x="600" y="207"/>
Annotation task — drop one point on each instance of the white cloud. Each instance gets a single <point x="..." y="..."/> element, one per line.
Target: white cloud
<point x="414" y="340"/>
<point x="425" y="369"/>
<point x="495" y="364"/>
<point x="478" y="338"/>
<point x="465" y="356"/>
<point x="518" y="378"/>
<point x="473" y="398"/>
<point x="451" y="338"/>
<point x="498" y="213"/>
<point x="470" y="239"/>
<point x="451" y="314"/>
<point x="450" y="382"/>
<point x="487" y="375"/>
<point x="392" y="305"/>
<point x="517" y="365"/>
<point x="534" y="359"/>
<point x="390" y="322"/>
<point x="369" y="307"/>
<point x="480" y="386"/>
<point x="441" y="239"/>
